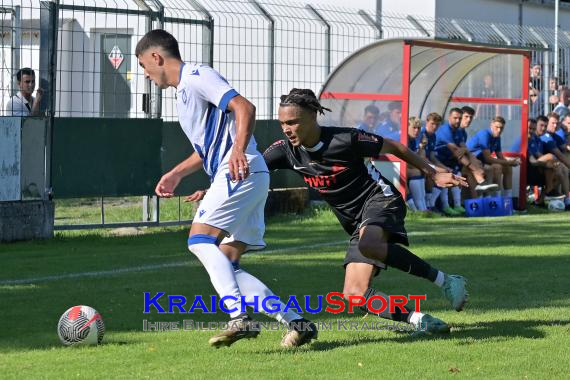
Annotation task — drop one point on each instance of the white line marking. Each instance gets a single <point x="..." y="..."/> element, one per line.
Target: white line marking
<point x="144" y="268"/>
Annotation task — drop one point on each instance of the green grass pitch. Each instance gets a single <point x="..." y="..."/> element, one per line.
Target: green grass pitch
<point x="517" y="324"/>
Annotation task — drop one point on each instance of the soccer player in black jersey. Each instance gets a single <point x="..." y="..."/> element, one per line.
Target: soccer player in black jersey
<point x="368" y="206"/>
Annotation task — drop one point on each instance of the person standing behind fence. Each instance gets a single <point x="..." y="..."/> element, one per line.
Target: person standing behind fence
<point x="230" y="220"/>
<point x="487" y="111"/>
<point x="536" y="77"/>
<point x="23" y="103"/>
<point x="536" y="104"/>
<point x="563" y="101"/>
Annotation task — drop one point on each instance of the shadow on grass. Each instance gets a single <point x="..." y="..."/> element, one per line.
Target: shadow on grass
<point x="463" y="334"/>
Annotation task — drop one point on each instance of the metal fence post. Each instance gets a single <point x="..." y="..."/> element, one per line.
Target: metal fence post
<point x="48" y="72"/>
<point x="16" y="45"/>
<point x="271" y="64"/>
<point x="372" y="23"/>
<point x="207" y="33"/>
<point x="327" y="37"/>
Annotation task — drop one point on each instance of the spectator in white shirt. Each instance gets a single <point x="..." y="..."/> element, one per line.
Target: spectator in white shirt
<point x="23" y="103"/>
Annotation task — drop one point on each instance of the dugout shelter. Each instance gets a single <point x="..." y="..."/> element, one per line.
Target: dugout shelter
<point x="424" y="76"/>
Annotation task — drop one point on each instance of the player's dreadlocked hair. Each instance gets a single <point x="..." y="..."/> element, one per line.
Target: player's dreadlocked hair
<point x="305" y="98"/>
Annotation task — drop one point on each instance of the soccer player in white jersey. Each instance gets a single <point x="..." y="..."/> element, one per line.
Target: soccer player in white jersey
<point x="230" y="220"/>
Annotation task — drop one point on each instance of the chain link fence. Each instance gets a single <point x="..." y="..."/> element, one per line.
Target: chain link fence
<point x="82" y="51"/>
<point x="264" y="48"/>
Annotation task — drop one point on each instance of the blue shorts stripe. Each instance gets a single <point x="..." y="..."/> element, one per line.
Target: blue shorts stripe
<point x="202" y="239"/>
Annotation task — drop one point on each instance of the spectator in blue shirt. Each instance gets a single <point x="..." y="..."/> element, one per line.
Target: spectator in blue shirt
<point x="390" y="128"/>
<point x="487" y="142"/>
<point x="370" y="121"/>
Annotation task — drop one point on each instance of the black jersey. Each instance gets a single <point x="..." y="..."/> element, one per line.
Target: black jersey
<point x="335" y="167"/>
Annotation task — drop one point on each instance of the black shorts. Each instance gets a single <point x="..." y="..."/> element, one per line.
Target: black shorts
<point x="386" y="212"/>
<point x="535" y="176"/>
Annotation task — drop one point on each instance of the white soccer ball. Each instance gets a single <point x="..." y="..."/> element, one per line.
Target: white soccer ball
<point x="81" y="325"/>
<point x="556" y="205"/>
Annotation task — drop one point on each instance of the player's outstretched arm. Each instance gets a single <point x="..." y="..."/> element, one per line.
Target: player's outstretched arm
<point x="168" y="182"/>
<point x="245" y="123"/>
<point x="197" y="196"/>
<point x="441" y="179"/>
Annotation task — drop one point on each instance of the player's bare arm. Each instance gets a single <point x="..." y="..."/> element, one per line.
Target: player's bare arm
<point x="245" y="123"/>
<point x="441" y="179"/>
<point x="168" y="182"/>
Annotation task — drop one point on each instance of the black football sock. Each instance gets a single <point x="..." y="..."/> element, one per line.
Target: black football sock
<point x="397" y="315"/>
<point x="404" y="260"/>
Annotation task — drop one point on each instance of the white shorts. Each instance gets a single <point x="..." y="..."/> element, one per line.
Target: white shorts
<point x="236" y="208"/>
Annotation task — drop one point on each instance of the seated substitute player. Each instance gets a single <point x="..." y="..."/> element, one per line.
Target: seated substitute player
<point x="416" y="181"/>
<point x="542" y="169"/>
<point x="370" y="122"/>
<point x="467" y="116"/>
<point x="427" y="134"/>
<point x="390" y="127"/>
<point x="219" y="123"/>
<point x="368" y="206"/>
<point x="488" y="141"/>
<point x="452" y="152"/>
<point x="557" y="146"/>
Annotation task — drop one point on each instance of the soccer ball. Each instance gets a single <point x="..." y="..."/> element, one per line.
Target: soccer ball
<point x="81" y="325"/>
<point x="556" y="205"/>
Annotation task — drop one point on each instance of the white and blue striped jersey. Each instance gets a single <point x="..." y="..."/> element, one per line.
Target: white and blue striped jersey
<point x="203" y="96"/>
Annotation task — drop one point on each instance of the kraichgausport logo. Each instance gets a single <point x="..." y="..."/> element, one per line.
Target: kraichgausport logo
<point x="332" y="302"/>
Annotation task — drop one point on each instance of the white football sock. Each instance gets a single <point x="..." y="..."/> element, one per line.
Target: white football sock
<point x="415" y="319"/>
<point x="440" y="279"/>
<point x="221" y="273"/>
<point x="251" y="286"/>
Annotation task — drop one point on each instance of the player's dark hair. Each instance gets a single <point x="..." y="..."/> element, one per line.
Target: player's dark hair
<point x="455" y="109"/>
<point x="394" y="106"/>
<point x="24" y="71"/>
<point x="159" y="38"/>
<point x="305" y="98"/>
<point x="542" y="118"/>
<point x="371" y="108"/>
<point x="468" y="110"/>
